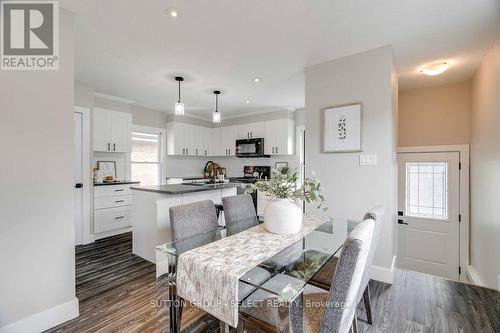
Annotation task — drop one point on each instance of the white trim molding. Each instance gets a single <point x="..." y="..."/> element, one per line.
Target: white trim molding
<point x="383" y="274"/>
<point x="463" y="151"/>
<point x="88" y="183"/>
<point x="473" y="277"/>
<point x="44" y="320"/>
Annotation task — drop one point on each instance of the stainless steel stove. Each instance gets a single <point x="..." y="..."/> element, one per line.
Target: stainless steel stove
<point x="250" y="175"/>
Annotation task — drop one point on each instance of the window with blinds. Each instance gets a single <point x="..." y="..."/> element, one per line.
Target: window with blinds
<point x="146" y="158"/>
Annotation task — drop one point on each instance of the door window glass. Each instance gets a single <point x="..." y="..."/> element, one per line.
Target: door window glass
<point x="427" y="190"/>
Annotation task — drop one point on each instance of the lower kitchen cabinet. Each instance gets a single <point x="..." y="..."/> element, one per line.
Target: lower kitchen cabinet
<point x="112" y="208"/>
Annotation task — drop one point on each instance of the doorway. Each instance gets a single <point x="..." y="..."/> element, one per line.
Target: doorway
<point x="429" y="213"/>
<point x="81" y="171"/>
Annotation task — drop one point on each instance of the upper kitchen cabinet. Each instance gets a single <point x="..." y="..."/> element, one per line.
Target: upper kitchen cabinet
<point x="178" y="141"/>
<point x="249" y="131"/>
<point x="112" y="131"/>
<point x="188" y="140"/>
<point x="228" y="140"/>
<point x="279" y="137"/>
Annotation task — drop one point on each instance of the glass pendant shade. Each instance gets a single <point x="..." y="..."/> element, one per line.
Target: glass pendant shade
<point x="179" y="108"/>
<point x="216" y="117"/>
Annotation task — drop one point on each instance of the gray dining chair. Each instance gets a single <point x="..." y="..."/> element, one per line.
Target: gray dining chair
<point x="238" y="208"/>
<point x="239" y="211"/>
<point x="192" y="219"/>
<point x="323" y="278"/>
<point x="260" y="310"/>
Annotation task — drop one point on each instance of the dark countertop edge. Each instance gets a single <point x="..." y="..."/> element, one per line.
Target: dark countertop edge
<point x="189" y="188"/>
<point x="187" y="178"/>
<point x="124" y="182"/>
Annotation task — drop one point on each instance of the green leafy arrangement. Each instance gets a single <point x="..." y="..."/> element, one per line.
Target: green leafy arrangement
<point x="283" y="185"/>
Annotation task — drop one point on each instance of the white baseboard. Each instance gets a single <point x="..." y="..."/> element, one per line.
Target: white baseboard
<point x="473" y="276"/>
<point x="383" y="274"/>
<point x="44" y="320"/>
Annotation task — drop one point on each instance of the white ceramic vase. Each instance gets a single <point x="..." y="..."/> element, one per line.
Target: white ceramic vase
<point x="282" y="216"/>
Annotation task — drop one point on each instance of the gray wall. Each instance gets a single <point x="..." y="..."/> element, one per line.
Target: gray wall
<point x="350" y="190"/>
<point x="36" y="202"/>
<point x="485" y="169"/>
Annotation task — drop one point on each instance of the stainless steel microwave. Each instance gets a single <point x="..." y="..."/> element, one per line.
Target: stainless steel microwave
<point x="250" y="148"/>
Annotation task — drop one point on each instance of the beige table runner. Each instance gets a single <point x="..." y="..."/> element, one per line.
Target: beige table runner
<point x="208" y="276"/>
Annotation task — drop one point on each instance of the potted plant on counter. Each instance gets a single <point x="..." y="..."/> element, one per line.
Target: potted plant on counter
<point x="283" y="214"/>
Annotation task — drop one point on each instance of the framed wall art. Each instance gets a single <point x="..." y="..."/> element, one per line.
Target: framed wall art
<point x="342" y="129"/>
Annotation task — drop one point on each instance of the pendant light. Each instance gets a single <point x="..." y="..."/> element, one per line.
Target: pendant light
<point x="216" y="118"/>
<point x="179" y="106"/>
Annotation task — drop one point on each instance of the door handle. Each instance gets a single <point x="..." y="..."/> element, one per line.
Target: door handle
<point x="109" y="146"/>
<point x="119" y="190"/>
<point x="273" y="150"/>
<point x="402" y="222"/>
<point x="114" y="146"/>
<point x="78" y="185"/>
<point x="117" y="201"/>
<point x="119" y="217"/>
<point x="276" y="150"/>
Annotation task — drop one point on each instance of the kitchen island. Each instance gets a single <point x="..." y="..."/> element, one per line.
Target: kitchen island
<point x="150" y="211"/>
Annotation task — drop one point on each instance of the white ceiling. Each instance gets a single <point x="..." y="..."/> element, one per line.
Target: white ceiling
<point x="131" y="49"/>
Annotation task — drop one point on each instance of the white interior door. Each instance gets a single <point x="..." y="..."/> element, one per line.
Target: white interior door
<point x="428" y="221"/>
<point x="78" y="176"/>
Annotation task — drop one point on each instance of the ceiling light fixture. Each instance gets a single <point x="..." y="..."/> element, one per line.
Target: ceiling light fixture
<point x="435" y="68"/>
<point x="172" y="12"/>
<point x="257" y="79"/>
<point x="179" y="106"/>
<point x="216" y="118"/>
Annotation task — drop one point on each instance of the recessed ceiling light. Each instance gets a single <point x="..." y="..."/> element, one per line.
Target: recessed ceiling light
<point x="172" y="12"/>
<point x="257" y="79"/>
<point x="247" y="102"/>
<point x="435" y="68"/>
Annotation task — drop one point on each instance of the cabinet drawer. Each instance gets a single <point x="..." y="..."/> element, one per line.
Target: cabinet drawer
<point x="114" y="201"/>
<point x="112" y="218"/>
<point x="112" y="190"/>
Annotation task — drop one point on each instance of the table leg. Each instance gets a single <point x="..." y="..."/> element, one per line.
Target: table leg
<point x="297" y="313"/>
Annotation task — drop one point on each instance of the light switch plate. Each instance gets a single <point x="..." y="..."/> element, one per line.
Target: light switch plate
<point x="367" y="159"/>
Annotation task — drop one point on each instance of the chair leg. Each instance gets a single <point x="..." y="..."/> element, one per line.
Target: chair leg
<point x="354" y="326"/>
<point x="368" y="306"/>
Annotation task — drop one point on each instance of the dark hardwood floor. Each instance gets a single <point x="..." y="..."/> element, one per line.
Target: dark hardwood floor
<point x="117" y="293"/>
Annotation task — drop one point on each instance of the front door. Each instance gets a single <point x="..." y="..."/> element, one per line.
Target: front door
<point x="428" y="214"/>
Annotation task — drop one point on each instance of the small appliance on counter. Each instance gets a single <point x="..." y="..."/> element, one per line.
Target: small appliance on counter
<point x="250" y="175"/>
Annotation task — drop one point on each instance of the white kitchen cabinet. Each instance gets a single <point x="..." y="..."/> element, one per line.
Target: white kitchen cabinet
<point x="216" y="148"/>
<point x="112" y="131"/>
<point x="112" y="208"/>
<point x="178" y="140"/>
<point x="228" y="140"/>
<point x="192" y="140"/>
<point x="279" y="137"/>
<point x="207" y="137"/>
<point x="249" y="131"/>
<point x="188" y="140"/>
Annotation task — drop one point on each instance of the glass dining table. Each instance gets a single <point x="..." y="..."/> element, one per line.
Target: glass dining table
<point x="295" y="266"/>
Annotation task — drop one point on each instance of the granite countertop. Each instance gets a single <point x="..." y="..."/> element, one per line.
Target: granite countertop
<point x="183" y="188"/>
<point x="120" y="182"/>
